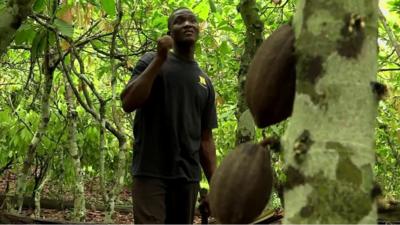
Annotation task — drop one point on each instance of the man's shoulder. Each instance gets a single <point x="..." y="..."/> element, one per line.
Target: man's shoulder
<point x="142" y="63"/>
<point x="148" y="56"/>
<point x="206" y="77"/>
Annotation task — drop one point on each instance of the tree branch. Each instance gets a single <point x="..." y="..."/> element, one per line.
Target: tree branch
<point x="390" y="143"/>
<point x="117" y="23"/>
<point x="78" y="97"/>
<point x="18" y="117"/>
<point x="8" y="84"/>
<point x="389" y="31"/>
<point x="81" y="74"/>
<point x="389" y="69"/>
<point x="46" y="24"/>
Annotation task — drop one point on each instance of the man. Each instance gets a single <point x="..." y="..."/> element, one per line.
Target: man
<point x="175" y="115"/>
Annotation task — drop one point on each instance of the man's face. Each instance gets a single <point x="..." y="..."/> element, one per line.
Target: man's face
<point x="184" y="27"/>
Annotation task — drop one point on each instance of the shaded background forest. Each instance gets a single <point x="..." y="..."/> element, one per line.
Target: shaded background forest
<point x="63" y="131"/>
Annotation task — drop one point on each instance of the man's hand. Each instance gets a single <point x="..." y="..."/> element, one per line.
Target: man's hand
<point x="204" y="206"/>
<point x="164" y="44"/>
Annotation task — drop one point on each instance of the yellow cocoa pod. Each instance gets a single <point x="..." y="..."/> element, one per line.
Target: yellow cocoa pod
<point x="271" y="78"/>
<point x="241" y="186"/>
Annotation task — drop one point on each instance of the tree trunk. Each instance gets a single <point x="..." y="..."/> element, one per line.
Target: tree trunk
<point x="118" y="181"/>
<point x="102" y="148"/>
<point x="37" y="137"/>
<point x="329" y="143"/>
<point x="254" y="37"/>
<point x="79" y="187"/>
<point x="119" y="178"/>
<point x="11" y="18"/>
<point x="37" y="194"/>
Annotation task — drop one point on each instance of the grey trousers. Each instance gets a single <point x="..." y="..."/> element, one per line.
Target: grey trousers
<point x="158" y="201"/>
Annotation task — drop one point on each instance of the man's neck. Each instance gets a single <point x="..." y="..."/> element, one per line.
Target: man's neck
<point x="184" y="52"/>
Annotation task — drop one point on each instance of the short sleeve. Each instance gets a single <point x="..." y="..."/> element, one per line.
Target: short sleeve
<point x="209" y="117"/>
<point x="142" y="64"/>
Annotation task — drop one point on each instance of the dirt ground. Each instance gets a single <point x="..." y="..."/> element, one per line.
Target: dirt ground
<point x="92" y="195"/>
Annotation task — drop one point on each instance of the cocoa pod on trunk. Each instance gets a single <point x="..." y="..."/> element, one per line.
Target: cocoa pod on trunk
<point x="241" y="186"/>
<point x="271" y="78"/>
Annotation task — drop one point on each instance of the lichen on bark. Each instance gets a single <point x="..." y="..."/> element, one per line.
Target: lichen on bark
<point x="336" y="63"/>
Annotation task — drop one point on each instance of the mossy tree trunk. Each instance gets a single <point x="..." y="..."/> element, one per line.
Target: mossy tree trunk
<point x="11" y="18"/>
<point x="79" y="212"/>
<point x="118" y="181"/>
<point x="110" y="192"/>
<point x="329" y="143"/>
<point x="254" y="37"/>
<point x="37" y="193"/>
<point x="49" y="66"/>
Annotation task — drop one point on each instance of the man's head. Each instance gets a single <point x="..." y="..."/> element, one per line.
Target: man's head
<point x="183" y="26"/>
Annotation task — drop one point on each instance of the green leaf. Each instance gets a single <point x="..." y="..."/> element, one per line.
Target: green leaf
<point x="394" y="6"/>
<point x="39" y="5"/>
<point x="198" y="50"/>
<point x="25" y="135"/>
<point x="38" y="44"/>
<point x="4" y="117"/>
<point x="202" y="10"/>
<point x="224" y="48"/>
<point x="109" y="7"/>
<point x="97" y="44"/>
<point x="212" y="6"/>
<point x="158" y="20"/>
<point x="25" y="34"/>
<point x="52" y="38"/>
<point x="65" y="28"/>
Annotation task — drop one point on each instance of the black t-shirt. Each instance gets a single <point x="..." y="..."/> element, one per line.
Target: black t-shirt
<point x="167" y="128"/>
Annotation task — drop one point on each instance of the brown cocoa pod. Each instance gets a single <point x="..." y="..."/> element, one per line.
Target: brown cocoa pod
<point x="241" y="186"/>
<point x="271" y="78"/>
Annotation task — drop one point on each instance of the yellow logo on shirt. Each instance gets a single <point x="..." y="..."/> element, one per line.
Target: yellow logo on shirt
<point x="202" y="81"/>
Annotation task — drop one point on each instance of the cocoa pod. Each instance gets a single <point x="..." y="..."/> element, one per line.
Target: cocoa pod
<point x="271" y="78"/>
<point x="241" y="186"/>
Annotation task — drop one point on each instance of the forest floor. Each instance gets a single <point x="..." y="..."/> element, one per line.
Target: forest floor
<point x="92" y="197"/>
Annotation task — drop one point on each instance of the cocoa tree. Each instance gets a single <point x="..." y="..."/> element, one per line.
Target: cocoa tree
<point x="329" y="143"/>
<point x="254" y="36"/>
<point x="11" y="17"/>
<point x="79" y="188"/>
<point x="49" y="65"/>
